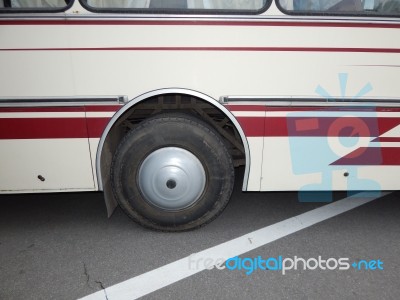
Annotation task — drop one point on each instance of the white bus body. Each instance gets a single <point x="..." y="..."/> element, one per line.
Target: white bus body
<point x="307" y="100"/>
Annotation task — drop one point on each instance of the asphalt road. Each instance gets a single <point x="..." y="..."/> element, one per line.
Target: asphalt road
<point x="62" y="246"/>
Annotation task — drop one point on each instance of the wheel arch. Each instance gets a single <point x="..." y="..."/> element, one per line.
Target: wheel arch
<point x="101" y="163"/>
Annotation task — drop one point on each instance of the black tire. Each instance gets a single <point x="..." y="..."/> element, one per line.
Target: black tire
<point x="159" y="159"/>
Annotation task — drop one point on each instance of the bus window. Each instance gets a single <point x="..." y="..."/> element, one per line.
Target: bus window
<point x="378" y="7"/>
<point x="250" y="5"/>
<point x="224" y="4"/>
<point x="118" y="3"/>
<point x="33" y="4"/>
<point x="388" y="6"/>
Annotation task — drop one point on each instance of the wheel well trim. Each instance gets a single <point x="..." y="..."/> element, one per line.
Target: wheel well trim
<point x="163" y="91"/>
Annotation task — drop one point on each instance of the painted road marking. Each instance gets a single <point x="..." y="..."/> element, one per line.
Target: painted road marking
<point x="156" y="279"/>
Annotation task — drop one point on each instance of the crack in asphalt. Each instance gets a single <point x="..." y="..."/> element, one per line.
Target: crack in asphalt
<point x="104" y="289"/>
<point x="86" y="273"/>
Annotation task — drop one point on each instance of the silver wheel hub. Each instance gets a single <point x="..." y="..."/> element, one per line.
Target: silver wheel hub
<point x="172" y="178"/>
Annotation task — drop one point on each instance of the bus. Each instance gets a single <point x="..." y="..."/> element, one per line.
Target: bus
<point x="156" y="102"/>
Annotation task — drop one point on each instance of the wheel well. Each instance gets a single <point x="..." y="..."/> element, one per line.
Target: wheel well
<point x="172" y="102"/>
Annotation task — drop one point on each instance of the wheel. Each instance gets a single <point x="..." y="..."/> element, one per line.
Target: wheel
<point x="172" y="172"/>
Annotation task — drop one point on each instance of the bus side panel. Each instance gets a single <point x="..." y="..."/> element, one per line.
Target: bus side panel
<point x="51" y="148"/>
<point x="331" y="149"/>
<point x="98" y="57"/>
<point x="42" y="150"/>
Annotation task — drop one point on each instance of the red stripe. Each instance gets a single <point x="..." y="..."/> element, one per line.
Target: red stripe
<point x="388" y="156"/>
<point x="323" y="126"/>
<point x="386" y="124"/>
<point x="260" y="107"/>
<point x="317" y="126"/>
<point x="276" y="126"/>
<point x="41" y="109"/>
<point x="387" y="140"/>
<point x="252" y="127"/>
<point x="333" y="108"/>
<point x="198" y="22"/>
<point x="244" y="107"/>
<point x="232" y="49"/>
<point x="43" y="128"/>
<point x="36" y="128"/>
<point x="54" y="128"/>
<point x="96" y="126"/>
<point x="87" y="108"/>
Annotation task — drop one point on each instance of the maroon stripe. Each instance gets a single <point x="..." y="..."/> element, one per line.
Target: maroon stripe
<point x="386" y="124"/>
<point x="244" y="107"/>
<point x="267" y="23"/>
<point x="333" y="108"/>
<point x="324" y="126"/>
<point x="87" y="108"/>
<point x="233" y="49"/>
<point x="317" y="126"/>
<point x="36" y="128"/>
<point x="43" y="128"/>
<point x="53" y="127"/>
<point x="387" y="140"/>
<point x="96" y="126"/>
<point x="276" y="126"/>
<point x="252" y="127"/>
<point x="388" y="156"/>
<point x="41" y="109"/>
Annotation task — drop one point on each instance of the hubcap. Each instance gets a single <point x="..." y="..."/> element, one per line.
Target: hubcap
<point x="171" y="178"/>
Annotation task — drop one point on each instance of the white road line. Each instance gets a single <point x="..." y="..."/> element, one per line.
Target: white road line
<point x="156" y="279"/>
